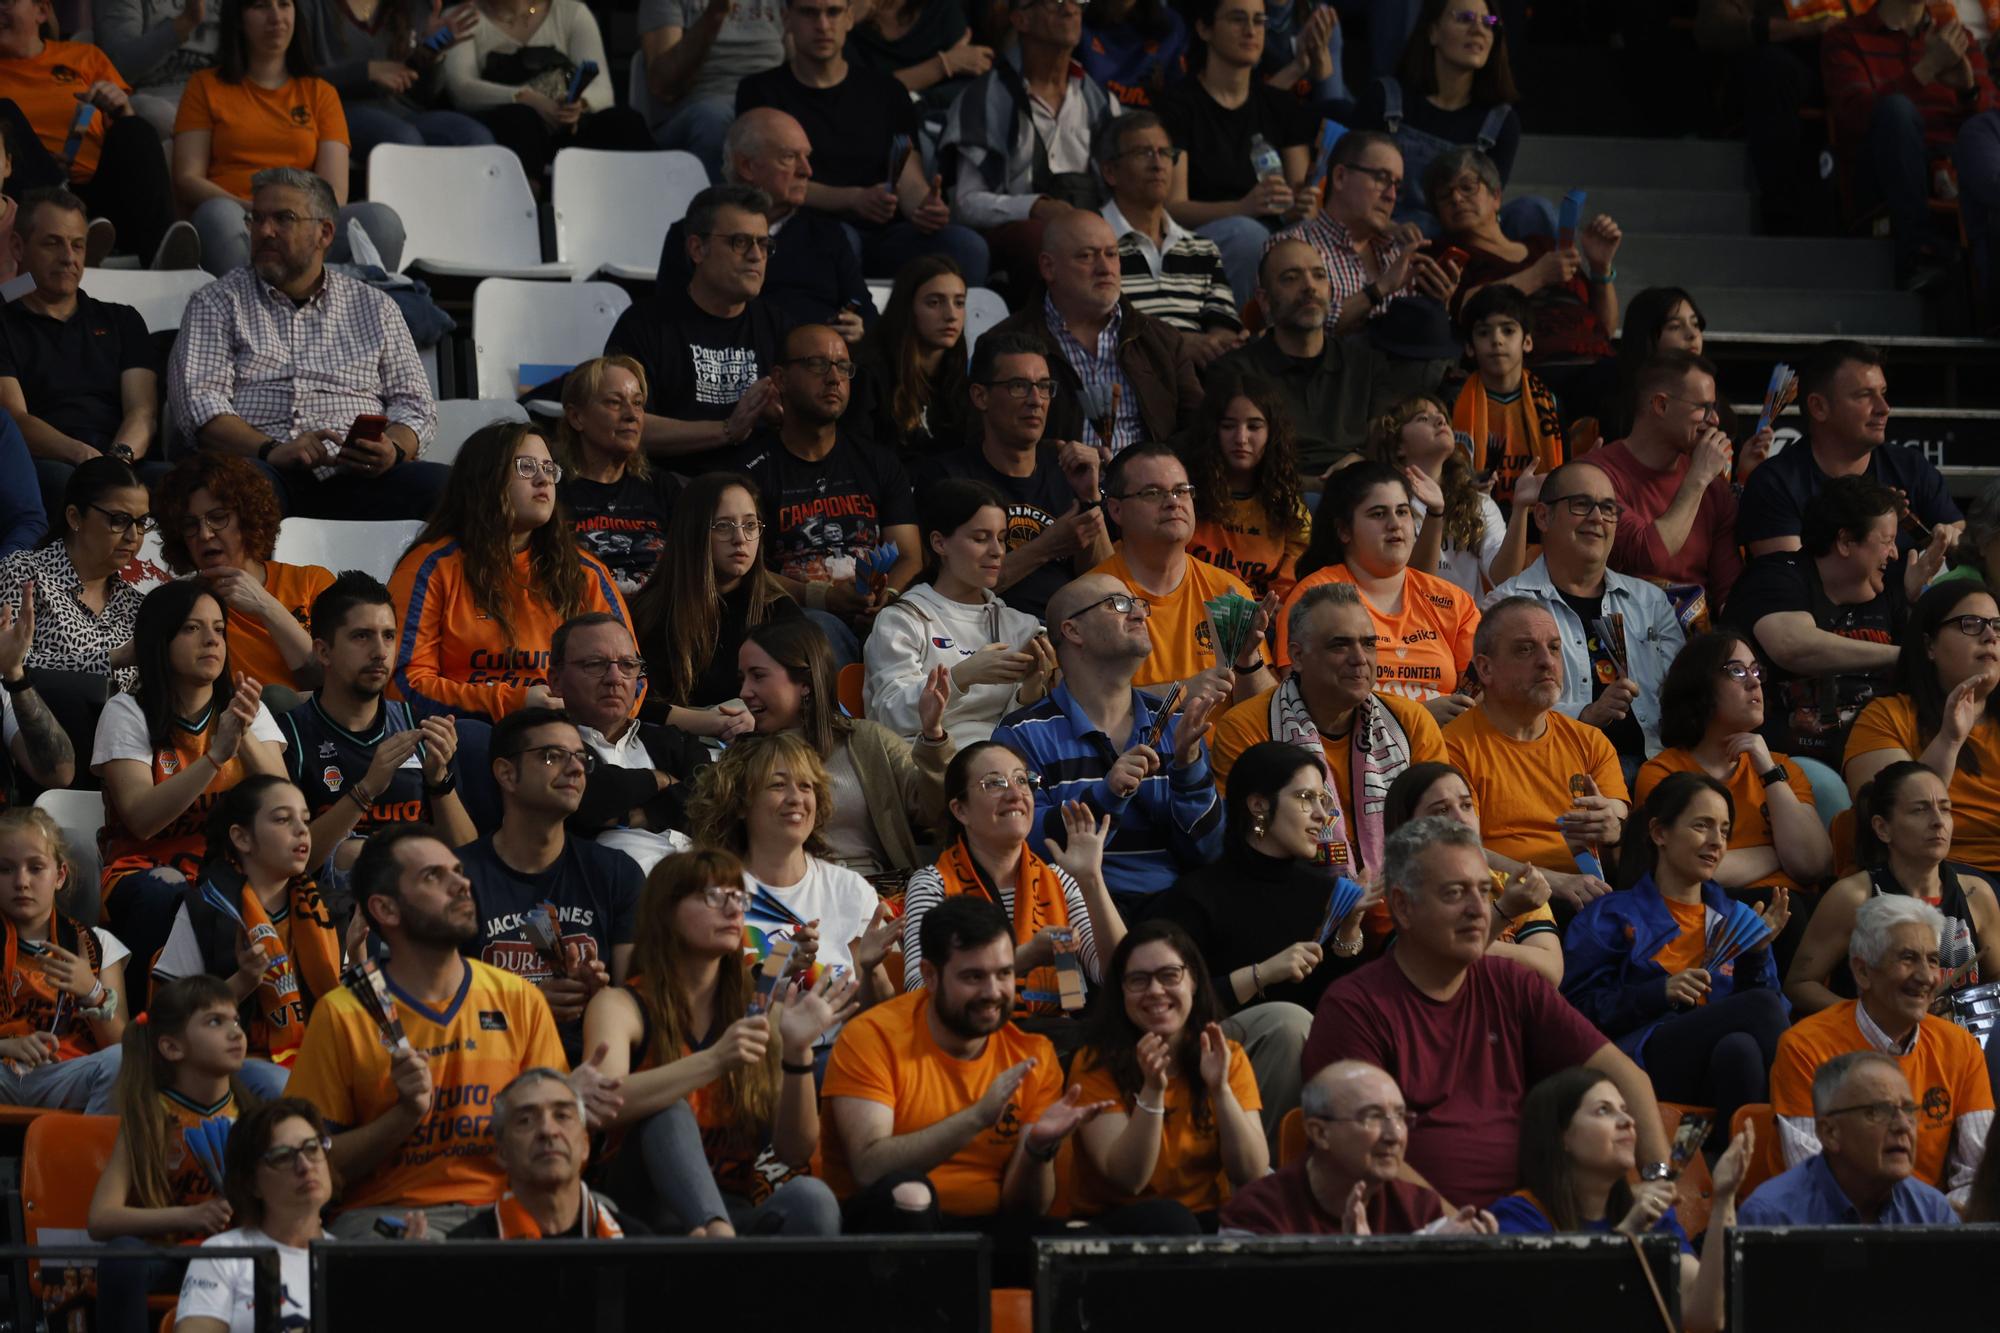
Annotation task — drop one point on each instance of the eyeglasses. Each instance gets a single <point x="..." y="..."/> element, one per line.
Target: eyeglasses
<point x="1975" y="627"/>
<point x="1154" y="495"/>
<point x="529" y="468"/>
<point x="217" y="521"/>
<point x="998" y="782"/>
<point x="1705" y="410"/>
<point x="742" y="242"/>
<point x="1313" y="801"/>
<point x="557" y="757"/>
<point x="1373" y="1118"/>
<point x="1387" y="181"/>
<point x="1121" y="603"/>
<point x="284" y="219"/>
<point x="282" y="1158"/>
<point x="121" y="522"/>
<point x="1170" y="976"/>
<point x="596" y="667"/>
<point x="721" y="897"/>
<point x="729" y="527"/>
<point x="819" y="365"/>
<point x="1742" y="671"/>
<point x="1880" y="1113"/>
<point x="1019" y="389"/>
<point x="1465" y="187"/>
<point x="1582" y="505"/>
<point x="1470" y="18"/>
<point x="1151" y="153"/>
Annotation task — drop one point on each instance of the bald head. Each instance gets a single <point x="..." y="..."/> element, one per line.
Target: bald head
<point x="1347" y="1085"/>
<point x="1295" y="287"/>
<point x="1079" y="593"/>
<point x="768" y="149"/>
<point x="1079" y="262"/>
<point x="1356" y="1124"/>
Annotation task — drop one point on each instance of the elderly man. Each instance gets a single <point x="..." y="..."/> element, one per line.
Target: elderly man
<point x="1122" y="377"/>
<point x="1894" y="953"/>
<point x="1619" y="634"/>
<point x="1352" y="1181"/>
<point x="284" y="360"/>
<point x="1866" y="1120"/>
<point x="1092" y="741"/>
<point x="1465" y="1036"/>
<point x="1523" y="758"/>
<point x="809" y="278"/>
<point x="542" y="1144"/>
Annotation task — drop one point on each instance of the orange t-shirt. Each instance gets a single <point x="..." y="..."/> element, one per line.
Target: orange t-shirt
<point x="1241" y="543"/>
<point x="887" y="1056"/>
<point x="46" y="86"/>
<point x="1752" y="827"/>
<point x="1183" y="643"/>
<point x="1890" y="723"/>
<point x="1249" y="723"/>
<point x="1189" y="1167"/>
<point x="1521" y="786"/>
<point x="251" y="649"/>
<point x="1421" y="651"/>
<point x="1946" y="1069"/>
<point x="251" y="127"/>
<point x="1687" y="948"/>
<point x="183" y="841"/>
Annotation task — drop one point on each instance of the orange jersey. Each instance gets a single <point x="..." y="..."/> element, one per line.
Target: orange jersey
<point x="1241" y="543"/>
<point x="452" y="658"/>
<point x="1249" y="723"/>
<point x="187" y="1181"/>
<point x="46" y="88"/>
<point x="251" y="128"/>
<point x="1752" y="826"/>
<point x="1521" y="786"/>
<point x="33" y="1003"/>
<point x="887" y="1055"/>
<point x="495" y="1026"/>
<point x="1890" y="723"/>
<point x="185" y="838"/>
<point x="1423" y="649"/>
<point x="251" y="649"/>
<point x="1189" y="1167"/>
<point x="1183" y="642"/>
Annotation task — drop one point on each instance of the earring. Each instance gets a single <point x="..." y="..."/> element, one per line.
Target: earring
<point x="1258" y="824"/>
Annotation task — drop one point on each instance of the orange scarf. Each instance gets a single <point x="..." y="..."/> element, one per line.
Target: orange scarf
<point x="29" y="1002"/>
<point x="1038" y="904"/>
<point x="516" y="1223"/>
<point x="312" y="953"/>
<point x="1472" y="421"/>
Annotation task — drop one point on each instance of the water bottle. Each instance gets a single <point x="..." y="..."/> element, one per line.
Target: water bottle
<point x="1264" y="160"/>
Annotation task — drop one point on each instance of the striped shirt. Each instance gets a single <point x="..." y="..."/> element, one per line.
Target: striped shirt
<point x="1345" y="271"/>
<point x="1098" y="368"/>
<point x="1865" y="60"/>
<point x="1173" y="821"/>
<point x="1183" y="284"/>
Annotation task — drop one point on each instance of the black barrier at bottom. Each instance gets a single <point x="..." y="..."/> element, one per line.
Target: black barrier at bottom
<point x="866" y="1284"/>
<point x="1827" y="1278"/>
<point x="1552" y="1284"/>
<point x="55" y="1286"/>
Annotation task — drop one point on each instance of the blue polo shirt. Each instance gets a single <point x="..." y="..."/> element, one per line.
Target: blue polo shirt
<point x="1808" y="1195"/>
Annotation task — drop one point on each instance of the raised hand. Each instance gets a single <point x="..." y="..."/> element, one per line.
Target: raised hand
<point x="1065" y="1118"/>
<point x="1777" y="912"/>
<point x="930" y="704"/>
<point x="1214" y="1057"/>
<point x="869" y="947"/>
<point x="1650" y="1201"/>
<point x="1130" y="769"/>
<point x="231" y="727"/>
<point x="1599" y="241"/>
<point x="1963" y="706"/>
<point x="603" y="1095"/>
<point x="1734" y="1162"/>
<point x="744" y="1042"/>
<point x="17" y="632"/>
<point x="1195" y="724"/>
<point x="1355" y="1211"/>
<point x="1425" y="490"/>
<point x="992" y="1103"/>
<point x="809" y="1012"/>
<point x="440" y="737"/>
<point x="1084" y="836"/>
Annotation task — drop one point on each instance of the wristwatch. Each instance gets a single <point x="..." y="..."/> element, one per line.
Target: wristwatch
<point x="21" y="686"/>
<point x="445" y="788"/>
<point x="1656" y="1171"/>
<point x="264" y="450"/>
<point x="1772" y="776"/>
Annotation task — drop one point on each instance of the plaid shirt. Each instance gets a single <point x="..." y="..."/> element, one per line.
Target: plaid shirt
<point x="1334" y="244"/>
<point x="1099" y="370"/>
<point x="247" y="349"/>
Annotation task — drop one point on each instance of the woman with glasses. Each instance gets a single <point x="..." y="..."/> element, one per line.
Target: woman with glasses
<point x="1902" y="839"/>
<point x="278" y="1177"/>
<point x="997" y="659"/>
<point x="1578" y="1145"/>
<point x="720" y="1118"/>
<point x="1461" y="536"/>
<point x="1059" y="905"/>
<point x="618" y="507"/>
<point x="219" y="521"/>
<point x="1250" y="509"/>
<point x="484" y="586"/>
<point x="84" y="612"/>
<point x="1945" y="714"/>
<point x="1185" y="1129"/>
<point x="910" y="386"/>
<point x="1639" y="965"/>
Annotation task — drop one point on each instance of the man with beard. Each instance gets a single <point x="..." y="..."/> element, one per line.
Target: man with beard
<point x="412" y="1119"/>
<point x="828" y="499"/>
<point x="538" y="1128"/>
<point x="363" y="761"/>
<point x="279" y="361"/>
<point x="554" y="910"/>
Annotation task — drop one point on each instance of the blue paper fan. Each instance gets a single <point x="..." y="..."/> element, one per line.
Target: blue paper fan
<point x="1734" y="933"/>
<point x="1346" y="894"/>
<point x="1588" y="864"/>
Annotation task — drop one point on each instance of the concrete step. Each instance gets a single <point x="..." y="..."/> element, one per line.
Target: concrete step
<point x="1707" y="263"/>
<point x="1594" y="164"/>
<point x="1642" y="209"/>
<point x="1820" y="314"/>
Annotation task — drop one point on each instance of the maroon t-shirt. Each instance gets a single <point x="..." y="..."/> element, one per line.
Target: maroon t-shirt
<point x="1282" y="1204"/>
<point x="1463" y="1064"/>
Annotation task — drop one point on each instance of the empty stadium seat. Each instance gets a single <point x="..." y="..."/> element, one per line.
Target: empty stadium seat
<point x="81" y="816"/>
<point x="61" y="1158"/>
<point x="339" y="544"/>
<point x="467" y="212"/>
<point x="984" y="308"/>
<point x="613" y="209"/>
<point x="1292" y="1137"/>
<point x="159" y="297"/>
<point x="535" y="324"/>
<point x="459" y="417"/>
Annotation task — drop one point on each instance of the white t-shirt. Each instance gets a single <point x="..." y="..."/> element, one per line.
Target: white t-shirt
<point x="1467" y="569"/>
<point x="840" y="900"/>
<point x="109" y="945"/>
<point x="121" y="732"/>
<point x="223" y="1288"/>
<point x="9" y="725"/>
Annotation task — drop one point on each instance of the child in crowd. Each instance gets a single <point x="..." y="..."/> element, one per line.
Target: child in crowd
<point x="1505" y="410"/>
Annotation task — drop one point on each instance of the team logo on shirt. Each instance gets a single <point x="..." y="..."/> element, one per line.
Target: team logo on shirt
<point x="940" y="642"/>
<point x="1203" y="635"/>
<point x="301" y="116"/>
<point x="327" y="750"/>
<point x="170" y="763"/>
<point x="331" y="777"/>
<point x="492" y="1020"/>
<point x="1937" y="1105"/>
<point x="64" y="74"/>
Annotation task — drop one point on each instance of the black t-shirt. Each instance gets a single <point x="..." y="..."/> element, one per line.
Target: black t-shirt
<point x="1033" y="502"/>
<point x="1810" y="715"/>
<point x="722" y="681"/>
<point x="819" y="517"/>
<point x="849" y="124"/>
<point x="1217" y="140"/>
<point x="623" y="522"/>
<point x="1774" y="500"/>
<point x="69" y="368"/>
<point x="698" y="364"/>
<point x="325" y="760"/>
<point x="485" y="1225"/>
<point x="1625" y="734"/>
<point x="1460" y="126"/>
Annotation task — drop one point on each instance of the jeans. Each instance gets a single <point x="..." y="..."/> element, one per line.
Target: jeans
<point x="82" y="1084"/>
<point x="130" y="187"/>
<point x="1901" y="166"/>
<point x="1242" y="241"/>
<point x="697" y="124"/>
<point x="407" y="490"/>
<point x="225" y="234"/>
<point x="1718" y="1054"/>
<point x="372" y="123"/>
<point x="677" y="1177"/>
<point x="884" y="250"/>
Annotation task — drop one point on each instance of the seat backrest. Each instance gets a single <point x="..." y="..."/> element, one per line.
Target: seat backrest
<point x="1767" y="1158"/>
<point x="458" y="418"/>
<point x="372" y="546"/>
<point x="80" y="814"/>
<point x="546" y="326"/>
<point x="62" y="1156"/>
<point x="984" y="308"/>
<point x="160" y="297"/>
<point x="469" y="205"/>
<point x="1291" y="1137"/>
<point x="850" y="684"/>
<point x="615" y="208"/>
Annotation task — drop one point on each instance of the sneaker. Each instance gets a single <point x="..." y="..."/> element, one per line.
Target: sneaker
<point x="180" y="248"/>
<point x="99" y="241"/>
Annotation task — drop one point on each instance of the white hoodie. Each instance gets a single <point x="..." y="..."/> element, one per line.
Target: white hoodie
<point x="922" y="631"/>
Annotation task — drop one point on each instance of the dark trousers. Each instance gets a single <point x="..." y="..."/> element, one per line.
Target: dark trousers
<point x="522" y="129"/>
<point x="407" y="490"/>
<point x="1899" y="164"/>
<point x="1718" y="1054"/>
<point x="130" y="187"/>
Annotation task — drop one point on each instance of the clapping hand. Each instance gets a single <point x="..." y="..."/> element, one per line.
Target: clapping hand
<point x="1084" y="836"/>
<point x="17" y="632"/>
<point x="1064" y="1118"/>
<point x="808" y="1012"/>
<point x="603" y="1095"/>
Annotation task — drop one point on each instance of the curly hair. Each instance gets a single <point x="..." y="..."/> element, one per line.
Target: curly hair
<point x="474" y="512"/>
<point x="236" y="484"/>
<point x="1464" y="524"/>
<point x="723" y="790"/>
<point x="1276" y="487"/>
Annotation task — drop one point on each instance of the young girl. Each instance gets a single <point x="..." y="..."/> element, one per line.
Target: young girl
<point x="1461" y="537"/>
<point x="259" y="923"/>
<point x="181" y="1067"/>
<point x="60" y="1012"/>
<point x="1250" y="510"/>
<point x="911" y="389"/>
<point x="726" y="1121"/>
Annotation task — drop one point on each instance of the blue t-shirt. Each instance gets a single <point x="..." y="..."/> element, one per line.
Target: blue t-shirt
<point x="1517" y="1214"/>
<point x="1774" y="502"/>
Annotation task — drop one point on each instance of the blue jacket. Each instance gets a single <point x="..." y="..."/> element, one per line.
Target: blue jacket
<point x="1608" y="968"/>
<point x="22" y="523"/>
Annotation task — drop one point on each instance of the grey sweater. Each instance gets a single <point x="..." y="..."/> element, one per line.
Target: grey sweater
<point x="345" y="47"/>
<point x="139" y="37"/>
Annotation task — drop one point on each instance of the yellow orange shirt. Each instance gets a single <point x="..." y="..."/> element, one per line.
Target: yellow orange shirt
<point x="1249" y="723"/>
<point x="251" y="648"/>
<point x="1752" y="825"/>
<point x="1890" y="723"/>
<point x="1422" y="649"/>
<point x="252" y="128"/>
<point x="1189" y="1167"/>
<point x="1183" y="642"/>
<point x="46" y="88"/>
<point x="1521" y="786"/>
<point x="1241" y="542"/>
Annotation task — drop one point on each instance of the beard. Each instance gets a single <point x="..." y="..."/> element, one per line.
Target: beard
<point x="438" y="930"/>
<point x="963" y="1021"/>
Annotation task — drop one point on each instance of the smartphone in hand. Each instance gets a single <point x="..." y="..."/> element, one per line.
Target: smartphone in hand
<point x="579" y="81"/>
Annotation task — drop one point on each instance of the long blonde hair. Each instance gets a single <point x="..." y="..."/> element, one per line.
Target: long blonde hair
<point x="146" y="1073"/>
<point x="33" y="819"/>
<point x="583" y="384"/>
<point x="1464" y="525"/>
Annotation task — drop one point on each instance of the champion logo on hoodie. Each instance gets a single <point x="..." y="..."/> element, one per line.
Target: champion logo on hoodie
<point x="940" y="643"/>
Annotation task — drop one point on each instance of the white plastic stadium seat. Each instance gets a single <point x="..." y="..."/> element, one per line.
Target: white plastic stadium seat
<point x="880" y="292"/>
<point x="80" y="815"/>
<point x="467" y="212"/>
<point x="983" y="309"/>
<point x="613" y="209"/>
<point x="160" y="297"/>
<point x="545" y="328"/>
<point x="372" y="546"/>
<point x="459" y="417"/>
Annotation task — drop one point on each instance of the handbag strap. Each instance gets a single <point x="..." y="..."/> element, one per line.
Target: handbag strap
<point x="1653" y="1284"/>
